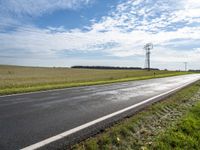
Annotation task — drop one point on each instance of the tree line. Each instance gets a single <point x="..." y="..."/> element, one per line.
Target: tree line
<point x="194" y="70"/>
<point x="111" y="67"/>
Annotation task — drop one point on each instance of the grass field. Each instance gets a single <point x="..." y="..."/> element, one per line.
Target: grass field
<point x="15" y="79"/>
<point x="173" y="123"/>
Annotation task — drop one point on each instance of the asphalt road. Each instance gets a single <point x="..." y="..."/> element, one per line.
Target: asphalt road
<point x="26" y="119"/>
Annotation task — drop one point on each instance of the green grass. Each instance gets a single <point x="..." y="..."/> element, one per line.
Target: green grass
<point x="15" y="79"/>
<point x="183" y="135"/>
<point x="156" y="127"/>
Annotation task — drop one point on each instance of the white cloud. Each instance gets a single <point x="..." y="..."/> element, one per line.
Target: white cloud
<point x="44" y="41"/>
<point x="122" y="33"/>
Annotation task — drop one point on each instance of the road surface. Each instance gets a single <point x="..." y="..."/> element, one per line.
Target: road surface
<point x="26" y="119"/>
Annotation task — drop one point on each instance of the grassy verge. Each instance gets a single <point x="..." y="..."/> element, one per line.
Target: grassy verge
<point x="159" y="126"/>
<point x="14" y="79"/>
<point x="40" y="87"/>
<point x="183" y="135"/>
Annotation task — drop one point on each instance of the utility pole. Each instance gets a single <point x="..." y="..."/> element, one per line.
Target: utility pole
<point x="148" y="47"/>
<point x="185" y="66"/>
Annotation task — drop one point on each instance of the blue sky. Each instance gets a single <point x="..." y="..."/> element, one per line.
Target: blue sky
<point x="100" y="32"/>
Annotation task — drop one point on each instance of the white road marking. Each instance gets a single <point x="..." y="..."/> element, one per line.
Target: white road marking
<point x="76" y="129"/>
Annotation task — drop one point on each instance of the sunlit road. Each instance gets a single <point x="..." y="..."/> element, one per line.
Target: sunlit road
<point x="27" y="119"/>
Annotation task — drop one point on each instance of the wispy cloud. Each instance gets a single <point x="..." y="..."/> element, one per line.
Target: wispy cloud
<point x="13" y="12"/>
<point x="38" y="7"/>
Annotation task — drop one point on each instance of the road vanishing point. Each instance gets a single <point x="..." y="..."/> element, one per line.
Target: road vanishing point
<point x="51" y="119"/>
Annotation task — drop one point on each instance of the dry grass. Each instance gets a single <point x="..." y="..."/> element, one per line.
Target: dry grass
<point x="13" y="77"/>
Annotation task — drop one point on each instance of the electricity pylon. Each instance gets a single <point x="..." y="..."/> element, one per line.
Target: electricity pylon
<point x="185" y="66"/>
<point x="148" y="47"/>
